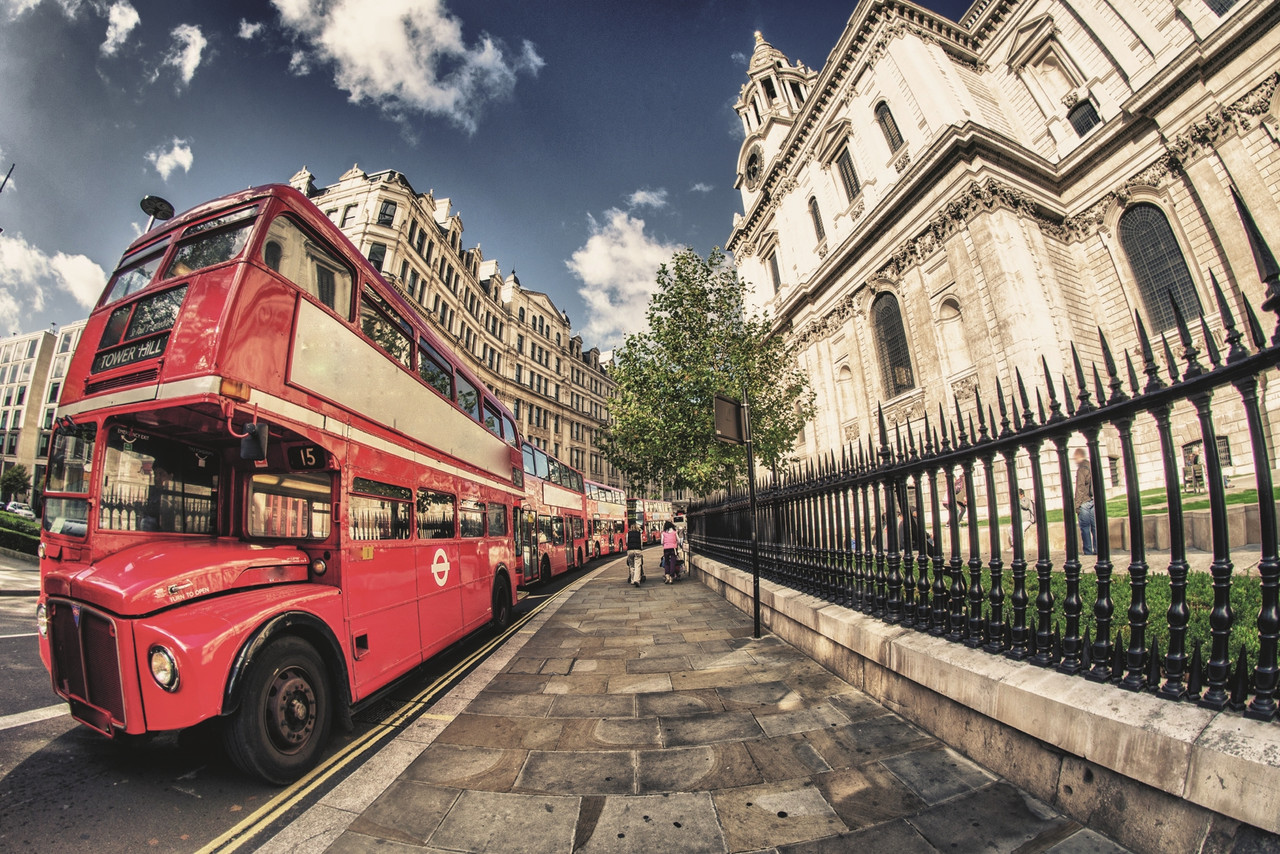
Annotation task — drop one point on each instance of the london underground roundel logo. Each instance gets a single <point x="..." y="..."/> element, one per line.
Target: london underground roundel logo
<point x="440" y="567"/>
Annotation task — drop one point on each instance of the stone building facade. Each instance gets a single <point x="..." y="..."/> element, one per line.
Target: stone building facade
<point x="942" y="203"/>
<point x="32" y="367"/>
<point x="514" y="338"/>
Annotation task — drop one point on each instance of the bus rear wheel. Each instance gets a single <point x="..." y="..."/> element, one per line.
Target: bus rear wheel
<point x="501" y="603"/>
<point x="283" y="719"/>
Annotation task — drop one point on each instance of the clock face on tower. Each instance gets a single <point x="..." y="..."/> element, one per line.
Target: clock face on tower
<point x="752" y="173"/>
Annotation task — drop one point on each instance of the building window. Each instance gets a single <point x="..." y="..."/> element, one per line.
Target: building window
<point x="348" y="216"/>
<point x="816" y="216"/>
<point x="891" y="346"/>
<point x="888" y="126"/>
<point x="387" y="213"/>
<point x="1224" y="451"/>
<point x="774" y="273"/>
<point x="1220" y="7"/>
<point x="377" y="254"/>
<point x="1084" y="117"/>
<point x="1158" y="266"/>
<point x="848" y="175"/>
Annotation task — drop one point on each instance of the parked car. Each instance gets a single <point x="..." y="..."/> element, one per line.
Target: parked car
<point x="18" y="508"/>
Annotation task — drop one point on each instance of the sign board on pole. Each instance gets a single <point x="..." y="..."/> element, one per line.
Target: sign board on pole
<point x="728" y="414"/>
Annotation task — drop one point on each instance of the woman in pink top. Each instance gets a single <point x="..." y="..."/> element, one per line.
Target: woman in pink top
<point x="670" y="542"/>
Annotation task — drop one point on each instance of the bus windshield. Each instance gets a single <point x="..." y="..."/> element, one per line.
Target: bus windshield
<point x="211" y="242"/>
<point x="155" y="484"/>
<point x="70" y="471"/>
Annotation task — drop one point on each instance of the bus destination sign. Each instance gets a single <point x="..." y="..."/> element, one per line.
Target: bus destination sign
<point x="128" y="354"/>
<point x="303" y="457"/>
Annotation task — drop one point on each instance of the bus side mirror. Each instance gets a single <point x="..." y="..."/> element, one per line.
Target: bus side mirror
<point x="254" y="444"/>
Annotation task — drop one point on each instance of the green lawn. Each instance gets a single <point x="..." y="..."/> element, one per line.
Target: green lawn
<point x="1153" y="501"/>
<point x="1246" y="601"/>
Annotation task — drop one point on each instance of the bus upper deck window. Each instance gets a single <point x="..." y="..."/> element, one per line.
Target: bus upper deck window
<point x="134" y="275"/>
<point x="468" y="398"/>
<point x="212" y="242"/>
<point x="492" y="419"/>
<point x="308" y="263"/>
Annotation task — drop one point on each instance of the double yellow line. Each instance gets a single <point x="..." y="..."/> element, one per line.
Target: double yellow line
<point x="261" y="818"/>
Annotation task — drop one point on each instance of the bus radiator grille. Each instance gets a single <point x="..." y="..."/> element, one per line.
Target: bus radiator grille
<point x="86" y="658"/>
<point x="136" y="378"/>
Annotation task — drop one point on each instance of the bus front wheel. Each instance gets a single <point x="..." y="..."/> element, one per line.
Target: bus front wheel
<point x="283" y="719"/>
<point x="501" y="603"/>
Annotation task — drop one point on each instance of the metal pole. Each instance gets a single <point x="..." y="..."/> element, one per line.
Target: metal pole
<point x="751" y="501"/>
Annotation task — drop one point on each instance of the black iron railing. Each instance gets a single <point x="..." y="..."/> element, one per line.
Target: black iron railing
<point x="834" y="528"/>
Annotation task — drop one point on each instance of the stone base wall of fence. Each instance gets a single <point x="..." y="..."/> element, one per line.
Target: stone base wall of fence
<point x="1154" y="775"/>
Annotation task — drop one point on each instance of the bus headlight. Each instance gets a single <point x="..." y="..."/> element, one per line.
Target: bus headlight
<point x="318" y="566"/>
<point x="40" y="551"/>
<point x="164" y="669"/>
<point x="42" y="620"/>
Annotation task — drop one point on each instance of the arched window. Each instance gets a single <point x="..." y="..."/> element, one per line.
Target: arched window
<point x="888" y="126"/>
<point x="891" y="345"/>
<point x="816" y="216"/>
<point x="1084" y="117"/>
<point x="1158" y="266"/>
<point x="844" y="392"/>
<point x="955" y="347"/>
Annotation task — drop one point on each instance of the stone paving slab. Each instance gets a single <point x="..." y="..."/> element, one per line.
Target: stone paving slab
<point x="648" y="719"/>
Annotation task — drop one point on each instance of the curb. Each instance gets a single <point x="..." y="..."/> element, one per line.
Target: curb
<point x="19" y="592"/>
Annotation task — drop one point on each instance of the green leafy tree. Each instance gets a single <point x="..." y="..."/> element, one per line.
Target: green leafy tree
<point x="15" y="481"/>
<point x="701" y="342"/>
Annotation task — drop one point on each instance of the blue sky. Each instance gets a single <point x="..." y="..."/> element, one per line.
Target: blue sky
<point x="582" y="142"/>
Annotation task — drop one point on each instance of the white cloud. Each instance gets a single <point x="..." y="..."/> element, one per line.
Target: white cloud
<point x="739" y="58"/>
<point x="178" y="154"/>
<point x="186" y="51"/>
<point x="618" y="267"/>
<point x="406" y="56"/>
<point x="121" y="20"/>
<point x="648" y="198"/>
<point x="700" y="187"/>
<point x="248" y="30"/>
<point x="26" y="272"/>
<point x="298" y="64"/>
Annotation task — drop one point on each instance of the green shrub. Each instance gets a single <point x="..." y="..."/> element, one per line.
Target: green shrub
<point x="17" y="523"/>
<point x="18" y="541"/>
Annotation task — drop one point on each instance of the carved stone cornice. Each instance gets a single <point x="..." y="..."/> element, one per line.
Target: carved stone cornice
<point x="1086" y="223"/>
<point x="1237" y="118"/>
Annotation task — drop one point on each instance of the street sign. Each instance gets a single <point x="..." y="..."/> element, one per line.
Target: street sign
<point x="728" y="420"/>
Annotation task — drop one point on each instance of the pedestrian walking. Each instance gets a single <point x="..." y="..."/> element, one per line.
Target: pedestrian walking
<point x="1084" y="504"/>
<point x="670" y="544"/>
<point x="960" y="497"/>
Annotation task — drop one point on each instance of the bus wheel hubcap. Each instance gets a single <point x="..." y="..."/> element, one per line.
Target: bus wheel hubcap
<point x="291" y="704"/>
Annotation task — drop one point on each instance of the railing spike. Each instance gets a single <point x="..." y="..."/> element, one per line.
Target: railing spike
<point x="1085" y="403"/>
<point x="1189" y="351"/>
<point x="991" y="417"/>
<point x="1018" y="422"/>
<point x="911" y="443"/>
<point x="983" y="435"/>
<point x="964" y="439"/>
<point x="897" y="438"/>
<point x="1170" y="362"/>
<point x="1055" y="407"/>
<point x="1005" y="427"/>
<point x="952" y="427"/>
<point x="1149" y="366"/>
<point x="1040" y="405"/>
<point x="1066" y="394"/>
<point x="1028" y="416"/>
<point x="1215" y="358"/>
<point x="1256" y="336"/>
<point x="928" y="436"/>
<point x="1133" y="374"/>
<point x="942" y="425"/>
<point x="1097" y="386"/>
<point x="1235" y="350"/>
<point x="1114" y="383"/>
<point x="1263" y="259"/>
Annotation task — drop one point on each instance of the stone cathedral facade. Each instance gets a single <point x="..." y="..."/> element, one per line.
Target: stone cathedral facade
<point x="942" y="203"/>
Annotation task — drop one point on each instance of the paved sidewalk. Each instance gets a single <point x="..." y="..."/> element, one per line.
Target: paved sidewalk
<point x="648" y="719"/>
<point x="19" y="575"/>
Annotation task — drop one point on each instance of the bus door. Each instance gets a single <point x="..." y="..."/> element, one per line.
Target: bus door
<point x="439" y="574"/>
<point x="379" y="581"/>
<point x="558" y="539"/>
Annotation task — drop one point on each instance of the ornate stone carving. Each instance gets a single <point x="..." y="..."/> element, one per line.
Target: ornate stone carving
<point x="1086" y="223"/>
<point x="1239" y="118"/>
<point x="859" y="206"/>
<point x="852" y="431"/>
<point x="905" y="412"/>
<point x="746" y="250"/>
<point x="786" y="185"/>
<point x="964" y="388"/>
<point x="822" y="249"/>
<point x="1070" y="99"/>
<point x="902" y="162"/>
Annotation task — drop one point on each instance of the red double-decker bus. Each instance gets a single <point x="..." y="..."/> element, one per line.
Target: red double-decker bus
<point x="553" y="536"/>
<point x="271" y="488"/>
<point x="606" y="511"/>
<point x="648" y="515"/>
